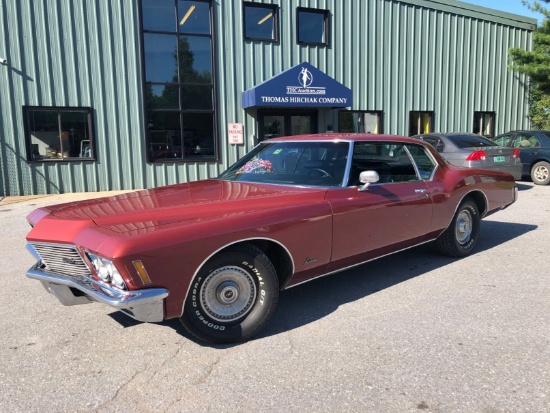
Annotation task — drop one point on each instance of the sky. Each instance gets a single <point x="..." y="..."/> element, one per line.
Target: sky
<point x="509" y="6"/>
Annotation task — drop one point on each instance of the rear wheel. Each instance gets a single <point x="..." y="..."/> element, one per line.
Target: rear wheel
<point x="460" y="238"/>
<point x="540" y="173"/>
<point x="232" y="297"/>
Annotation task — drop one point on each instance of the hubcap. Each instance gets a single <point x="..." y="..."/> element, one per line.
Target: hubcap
<point x="541" y="173"/>
<point x="463" y="229"/>
<point x="228" y="294"/>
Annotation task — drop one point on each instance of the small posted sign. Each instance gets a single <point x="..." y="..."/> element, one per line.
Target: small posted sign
<point x="235" y="133"/>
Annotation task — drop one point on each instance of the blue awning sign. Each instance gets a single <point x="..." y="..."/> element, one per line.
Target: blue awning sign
<point x="301" y="85"/>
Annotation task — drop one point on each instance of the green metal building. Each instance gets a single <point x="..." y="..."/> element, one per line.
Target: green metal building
<point x="100" y="95"/>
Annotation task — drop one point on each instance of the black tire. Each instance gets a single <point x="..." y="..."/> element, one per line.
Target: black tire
<point x="232" y="297"/>
<point x="460" y="238"/>
<point x="540" y="173"/>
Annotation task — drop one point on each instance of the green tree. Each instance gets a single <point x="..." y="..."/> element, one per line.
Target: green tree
<point x="536" y="64"/>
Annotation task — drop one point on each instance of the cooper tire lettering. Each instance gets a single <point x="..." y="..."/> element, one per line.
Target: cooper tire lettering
<point x="232" y="299"/>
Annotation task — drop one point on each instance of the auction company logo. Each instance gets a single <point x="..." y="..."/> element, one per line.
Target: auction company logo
<point x="305" y="78"/>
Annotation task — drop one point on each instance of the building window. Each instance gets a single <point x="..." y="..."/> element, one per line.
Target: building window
<point x="420" y="122"/>
<point x="312" y="26"/>
<point x="261" y="21"/>
<point x="58" y="133"/>
<point x="358" y="121"/>
<point x="484" y="124"/>
<point x="179" y="80"/>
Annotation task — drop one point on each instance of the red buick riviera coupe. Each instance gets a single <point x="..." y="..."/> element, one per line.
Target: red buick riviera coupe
<point x="216" y="253"/>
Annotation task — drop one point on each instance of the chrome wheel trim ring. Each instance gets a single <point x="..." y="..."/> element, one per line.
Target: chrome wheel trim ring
<point x="541" y="173"/>
<point x="228" y="293"/>
<point x="463" y="228"/>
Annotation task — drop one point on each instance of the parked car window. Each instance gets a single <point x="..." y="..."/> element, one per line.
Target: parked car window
<point x="471" y="141"/>
<point x="437" y="143"/>
<point x="525" y="141"/>
<point x="503" y="140"/>
<point x="424" y="162"/>
<point x="390" y="161"/>
<point x="293" y="163"/>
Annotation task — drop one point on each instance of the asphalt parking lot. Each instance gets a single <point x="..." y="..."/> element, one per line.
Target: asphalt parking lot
<point x="413" y="332"/>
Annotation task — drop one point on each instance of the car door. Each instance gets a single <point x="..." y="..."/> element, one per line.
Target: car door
<point x="390" y="215"/>
<point x="529" y="146"/>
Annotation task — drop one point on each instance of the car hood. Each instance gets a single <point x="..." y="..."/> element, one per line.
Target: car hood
<point x="195" y="201"/>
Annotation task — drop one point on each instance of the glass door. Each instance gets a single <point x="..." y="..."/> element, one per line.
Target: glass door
<point x="273" y="126"/>
<point x="275" y="123"/>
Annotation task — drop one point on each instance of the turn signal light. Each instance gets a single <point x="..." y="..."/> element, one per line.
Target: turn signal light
<point x="515" y="155"/>
<point x="142" y="272"/>
<point x="476" y="156"/>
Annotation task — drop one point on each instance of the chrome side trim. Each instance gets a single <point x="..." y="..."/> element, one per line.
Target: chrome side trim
<point x="143" y="305"/>
<point x="224" y="247"/>
<point x="358" y="264"/>
<point x="347" y="172"/>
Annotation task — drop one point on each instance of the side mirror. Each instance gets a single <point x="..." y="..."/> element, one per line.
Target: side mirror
<point x="367" y="178"/>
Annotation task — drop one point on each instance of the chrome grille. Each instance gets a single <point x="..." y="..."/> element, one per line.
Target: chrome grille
<point x="61" y="259"/>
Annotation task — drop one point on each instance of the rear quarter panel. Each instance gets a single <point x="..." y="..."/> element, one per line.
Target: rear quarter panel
<point x="452" y="184"/>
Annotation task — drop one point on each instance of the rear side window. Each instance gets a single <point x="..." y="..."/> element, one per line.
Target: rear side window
<point x="424" y="162"/>
<point x="389" y="160"/>
<point x="503" y="140"/>
<point x="525" y="141"/>
<point x="467" y="141"/>
<point x="437" y="143"/>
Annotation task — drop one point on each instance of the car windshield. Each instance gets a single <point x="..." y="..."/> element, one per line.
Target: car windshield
<point x="470" y="141"/>
<point x="292" y="163"/>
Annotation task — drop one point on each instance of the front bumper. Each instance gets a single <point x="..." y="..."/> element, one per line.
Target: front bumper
<point x="143" y="305"/>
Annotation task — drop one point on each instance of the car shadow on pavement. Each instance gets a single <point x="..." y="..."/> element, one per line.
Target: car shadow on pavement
<point x="523" y="187"/>
<point x="315" y="300"/>
<point x="309" y="302"/>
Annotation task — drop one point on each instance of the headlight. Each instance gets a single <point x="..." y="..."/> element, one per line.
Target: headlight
<point x="118" y="281"/>
<point x="107" y="271"/>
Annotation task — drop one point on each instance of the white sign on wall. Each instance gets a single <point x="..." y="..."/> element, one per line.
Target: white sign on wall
<point x="235" y="133"/>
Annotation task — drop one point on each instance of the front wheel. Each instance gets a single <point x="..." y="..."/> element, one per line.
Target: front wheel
<point x="460" y="238"/>
<point x="540" y="173"/>
<point x="232" y="297"/>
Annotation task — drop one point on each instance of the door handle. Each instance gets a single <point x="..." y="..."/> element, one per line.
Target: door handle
<point x="422" y="191"/>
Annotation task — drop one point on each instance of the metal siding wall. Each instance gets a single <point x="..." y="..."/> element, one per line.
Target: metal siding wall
<point x="447" y="63"/>
<point x="73" y="53"/>
<point x="396" y="56"/>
